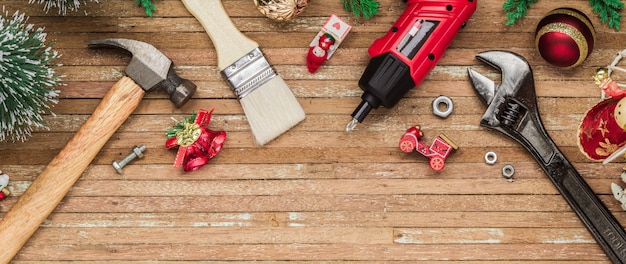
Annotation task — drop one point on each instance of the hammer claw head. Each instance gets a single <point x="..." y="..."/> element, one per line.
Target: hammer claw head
<point x="150" y="68"/>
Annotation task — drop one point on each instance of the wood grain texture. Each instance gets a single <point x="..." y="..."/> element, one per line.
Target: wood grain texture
<point x="315" y="195"/>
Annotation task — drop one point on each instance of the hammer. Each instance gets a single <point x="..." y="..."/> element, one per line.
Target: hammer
<point x="148" y="70"/>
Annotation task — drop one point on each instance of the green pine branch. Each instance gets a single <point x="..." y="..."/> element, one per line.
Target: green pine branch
<point x="170" y="133"/>
<point x="516" y="9"/>
<point x="148" y="6"/>
<point x="608" y="11"/>
<point x="365" y="8"/>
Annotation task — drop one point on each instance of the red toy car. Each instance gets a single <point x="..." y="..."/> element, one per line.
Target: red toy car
<point x="437" y="152"/>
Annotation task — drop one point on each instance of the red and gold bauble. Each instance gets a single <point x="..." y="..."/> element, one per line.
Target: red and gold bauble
<point x="565" y="37"/>
<point x="601" y="131"/>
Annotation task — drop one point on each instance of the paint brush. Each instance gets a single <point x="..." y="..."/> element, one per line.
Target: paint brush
<point x="269" y="105"/>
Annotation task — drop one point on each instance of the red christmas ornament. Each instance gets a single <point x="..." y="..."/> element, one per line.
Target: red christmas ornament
<point x="565" y="37"/>
<point x="602" y="130"/>
<point x="196" y="143"/>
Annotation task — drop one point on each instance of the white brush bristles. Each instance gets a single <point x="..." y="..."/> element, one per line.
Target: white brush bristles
<point x="271" y="110"/>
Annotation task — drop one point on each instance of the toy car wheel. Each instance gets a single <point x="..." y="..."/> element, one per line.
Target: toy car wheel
<point x="436" y="163"/>
<point x="407" y="144"/>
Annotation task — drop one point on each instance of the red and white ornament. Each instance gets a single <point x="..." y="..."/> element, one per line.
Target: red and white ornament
<point x="565" y="37"/>
<point x="601" y="131"/>
<point x="326" y="42"/>
<point x="318" y="54"/>
<point x="4" y="183"/>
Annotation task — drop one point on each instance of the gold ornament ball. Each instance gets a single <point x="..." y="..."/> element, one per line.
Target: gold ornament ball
<point x="281" y="10"/>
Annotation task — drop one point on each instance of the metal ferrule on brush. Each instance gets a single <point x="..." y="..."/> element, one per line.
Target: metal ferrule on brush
<point x="248" y="73"/>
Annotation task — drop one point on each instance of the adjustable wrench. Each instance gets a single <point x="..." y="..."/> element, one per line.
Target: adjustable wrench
<point x="512" y="110"/>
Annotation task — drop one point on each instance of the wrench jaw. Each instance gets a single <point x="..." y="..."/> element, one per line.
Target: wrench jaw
<point x="484" y="86"/>
<point x="516" y="79"/>
<point x="512" y="105"/>
<point x="504" y="108"/>
<point x="486" y="89"/>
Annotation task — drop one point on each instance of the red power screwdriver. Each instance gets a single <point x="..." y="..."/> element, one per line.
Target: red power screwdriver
<point x="402" y="58"/>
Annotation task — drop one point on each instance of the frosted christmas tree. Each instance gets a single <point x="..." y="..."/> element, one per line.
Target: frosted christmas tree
<point x="62" y="5"/>
<point x="73" y="5"/>
<point x="27" y="77"/>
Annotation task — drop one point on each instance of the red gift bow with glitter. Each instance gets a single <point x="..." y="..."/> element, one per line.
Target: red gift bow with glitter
<point x="196" y="143"/>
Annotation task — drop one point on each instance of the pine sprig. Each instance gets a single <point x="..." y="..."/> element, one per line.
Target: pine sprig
<point x="365" y="8"/>
<point x="27" y="77"/>
<point x="516" y="9"/>
<point x="608" y="11"/>
<point x="170" y="133"/>
<point x="148" y="6"/>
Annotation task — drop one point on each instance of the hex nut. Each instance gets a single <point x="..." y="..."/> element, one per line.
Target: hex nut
<point x="447" y="104"/>
<point x="508" y="171"/>
<point x="139" y="151"/>
<point x="491" y="158"/>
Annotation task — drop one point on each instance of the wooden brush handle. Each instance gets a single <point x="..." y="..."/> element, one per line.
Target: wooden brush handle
<point x="230" y="44"/>
<point x="55" y="181"/>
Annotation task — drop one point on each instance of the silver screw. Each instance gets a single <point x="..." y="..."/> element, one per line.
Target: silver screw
<point x="137" y="153"/>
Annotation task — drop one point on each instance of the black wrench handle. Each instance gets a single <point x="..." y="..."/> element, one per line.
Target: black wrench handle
<point x="594" y="214"/>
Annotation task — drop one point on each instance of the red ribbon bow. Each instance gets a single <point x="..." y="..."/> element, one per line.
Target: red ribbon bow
<point x="196" y="143"/>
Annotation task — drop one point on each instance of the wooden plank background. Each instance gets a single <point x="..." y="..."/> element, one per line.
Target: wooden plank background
<point x="316" y="194"/>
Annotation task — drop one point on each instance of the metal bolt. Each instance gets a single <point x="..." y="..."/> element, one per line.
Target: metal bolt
<point x="137" y="153"/>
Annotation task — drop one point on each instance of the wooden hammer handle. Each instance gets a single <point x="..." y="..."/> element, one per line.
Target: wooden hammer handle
<point x="55" y="181"/>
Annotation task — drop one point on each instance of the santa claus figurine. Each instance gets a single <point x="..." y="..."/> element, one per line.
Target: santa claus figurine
<point x="318" y="54"/>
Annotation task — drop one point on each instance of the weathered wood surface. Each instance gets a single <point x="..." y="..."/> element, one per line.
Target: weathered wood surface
<point x="316" y="194"/>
